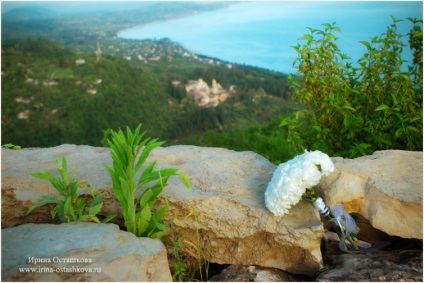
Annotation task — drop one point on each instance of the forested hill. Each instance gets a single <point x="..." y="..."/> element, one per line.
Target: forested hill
<point x="47" y="99"/>
<point x="52" y="95"/>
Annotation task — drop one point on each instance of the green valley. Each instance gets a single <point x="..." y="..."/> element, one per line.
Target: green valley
<point x="52" y="95"/>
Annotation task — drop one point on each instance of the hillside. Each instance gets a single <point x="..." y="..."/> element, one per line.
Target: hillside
<point x="49" y="97"/>
<point x="52" y="95"/>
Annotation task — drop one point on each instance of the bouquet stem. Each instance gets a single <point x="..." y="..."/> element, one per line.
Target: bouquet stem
<point x="340" y="229"/>
<point x="351" y="237"/>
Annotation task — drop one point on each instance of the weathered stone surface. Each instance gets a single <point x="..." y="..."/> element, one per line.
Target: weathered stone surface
<point x="400" y="264"/>
<point x="386" y="188"/>
<point x="240" y="273"/>
<point x="80" y="252"/>
<point x="227" y="195"/>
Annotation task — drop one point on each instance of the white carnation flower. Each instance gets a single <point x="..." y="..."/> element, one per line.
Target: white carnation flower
<point x="291" y="179"/>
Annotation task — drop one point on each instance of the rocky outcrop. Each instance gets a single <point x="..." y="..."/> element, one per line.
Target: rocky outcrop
<point x="240" y="273"/>
<point x="224" y="213"/>
<point x="403" y="262"/>
<point x="227" y="196"/>
<point x="386" y="188"/>
<point x="80" y="252"/>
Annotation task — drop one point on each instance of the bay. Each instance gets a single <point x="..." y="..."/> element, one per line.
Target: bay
<point x="261" y="34"/>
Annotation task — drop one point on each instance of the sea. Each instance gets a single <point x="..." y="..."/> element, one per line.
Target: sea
<point x="261" y="34"/>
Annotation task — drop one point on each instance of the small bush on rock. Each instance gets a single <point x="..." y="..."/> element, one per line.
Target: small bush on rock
<point x="138" y="216"/>
<point x="72" y="207"/>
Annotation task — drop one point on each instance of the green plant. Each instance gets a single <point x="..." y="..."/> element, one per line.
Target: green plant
<point x="11" y="146"/>
<point x="180" y="270"/>
<point x="137" y="212"/>
<point x="71" y="207"/>
<point x="184" y="268"/>
<point x="352" y="111"/>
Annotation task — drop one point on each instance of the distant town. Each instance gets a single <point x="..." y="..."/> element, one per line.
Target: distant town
<point x="206" y="96"/>
<point x="154" y="50"/>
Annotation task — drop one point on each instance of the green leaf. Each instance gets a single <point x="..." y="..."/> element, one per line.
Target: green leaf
<point x="145" y="197"/>
<point x="382" y="107"/>
<point x="416" y="118"/>
<point x="160" y="213"/>
<point x="146" y="151"/>
<point x="398" y="132"/>
<point x="67" y="209"/>
<point x="97" y="200"/>
<point x="157" y="235"/>
<point x="413" y="129"/>
<point x="93" y="210"/>
<point x="79" y="206"/>
<point x="185" y="180"/>
<point x="145" y="213"/>
<point x="53" y="213"/>
<point x="42" y="201"/>
<point x="62" y="170"/>
<point x="331" y="97"/>
<point x="155" y="176"/>
<point x="395" y="102"/>
<point x="41" y="175"/>
<point x="84" y="218"/>
<point x="317" y="128"/>
<point x="94" y="218"/>
<point x="283" y="123"/>
<point x="109" y="218"/>
<point x="366" y="44"/>
<point x="306" y="37"/>
<point x="149" y="168"/>
<point x="348" y="107"/>
<point x="143" y="218"/>
<point x="90" y="191"/>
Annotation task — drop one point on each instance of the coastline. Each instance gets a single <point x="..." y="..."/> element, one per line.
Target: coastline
<point x="194" y="13"/>
<point x="260" y="34"/>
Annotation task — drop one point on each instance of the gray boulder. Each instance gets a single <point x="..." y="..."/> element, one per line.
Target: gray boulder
<point x="80" y="252"/>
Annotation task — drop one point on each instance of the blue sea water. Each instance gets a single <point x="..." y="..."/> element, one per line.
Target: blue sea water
<point x="261" y="33"/>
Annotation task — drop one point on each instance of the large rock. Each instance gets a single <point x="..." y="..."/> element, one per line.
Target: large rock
<point x="402" y="263"/>
<point x="240" y="273"/>
<point x="227" y="196"/>
<point x="80" y="252"/>
<point x="386" y="188"/>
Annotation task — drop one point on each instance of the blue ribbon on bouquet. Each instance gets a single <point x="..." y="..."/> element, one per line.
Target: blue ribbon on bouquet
<point x="343" y="219"/>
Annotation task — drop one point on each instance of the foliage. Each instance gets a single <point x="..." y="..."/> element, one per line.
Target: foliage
<point x="266" y="140"/>
<point x="131" y="92"/>
<point x="352" y="111"/>
<point x="72" y="207"/>
<point x="66" y="112"/>
<point x="138" y="215"/>
<point x="11" y="146"/>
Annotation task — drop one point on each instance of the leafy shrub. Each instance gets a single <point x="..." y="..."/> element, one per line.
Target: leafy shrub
<point x="137" y="213"/>
<point x="11" y="146"/>
<point x="72" y="207"/>
<point x="353" y="111"/>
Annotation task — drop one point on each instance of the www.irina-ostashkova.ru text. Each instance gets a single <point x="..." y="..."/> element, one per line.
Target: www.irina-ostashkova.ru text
<point x="59" y="260"/>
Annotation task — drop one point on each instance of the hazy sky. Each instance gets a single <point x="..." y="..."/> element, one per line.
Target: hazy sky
<point x="75" y="6"/>
<point x="109" y="5"/>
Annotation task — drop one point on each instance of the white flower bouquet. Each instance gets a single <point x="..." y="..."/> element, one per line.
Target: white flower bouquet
<point x="295" y="180"/>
